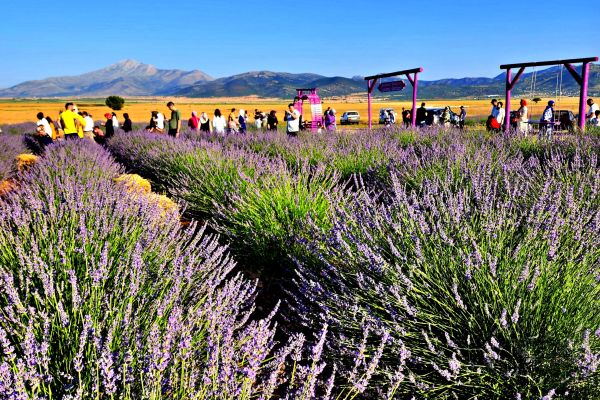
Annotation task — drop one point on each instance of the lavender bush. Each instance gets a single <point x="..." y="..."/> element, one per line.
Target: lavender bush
<point x="485" y="277"/>
<point x="104" y="295"/>
<point x="10" y="147"/>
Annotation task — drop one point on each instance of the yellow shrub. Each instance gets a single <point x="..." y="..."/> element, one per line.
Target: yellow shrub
<point x="24" y="161"/>
<point x="7" y="186"/>
<point x="134" y="183"/>
<point x="164" y="202"/>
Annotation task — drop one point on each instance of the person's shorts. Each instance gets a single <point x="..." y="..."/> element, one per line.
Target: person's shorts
<point x="173" y="132"/>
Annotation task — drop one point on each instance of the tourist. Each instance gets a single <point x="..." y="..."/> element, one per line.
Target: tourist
<point x="501" y="115"/>
<point x="127" y="125"/>
<point x="327" y="119"/>
<point x="232" y="122"/>
<point x="445" y="117"/>
<point x="88" y="129"/>
<point x="242" y="121"/>
<point x="492" y="121"/>
<point x="157" y="122"/>
<point x="98" y="135"/>
<point x="595" y="122"/>
<point x="204" y="123"/>
<point x="194" y="121"/>
<point x="68" y="118"/>
<point x="462" y="117"/>
<point x="421" y="115"/>
<point x="115" y="121"/>
<point x="592" y="110"/>
<point x="109" y="128"/>
<point x="272" y="121"/>
<point x="44" y="131"/>
<point x="219" y="124"/>
<point x="406" y="117"/>
<point x="330" y="121"/>
<point x="292" y="117"/>
<point x="523" y="118"/>
<point x="258" y="119"/>
<point x="52" y="128"/>
<point x="547" y="122"/>
<point x="174" y="121"/>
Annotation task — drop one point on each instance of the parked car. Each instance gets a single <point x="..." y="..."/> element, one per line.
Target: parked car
<point x="350" y="117"/>
<point x="383" y="117"/>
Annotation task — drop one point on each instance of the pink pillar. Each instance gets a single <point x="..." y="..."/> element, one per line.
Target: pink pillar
<point x="507" y="105"/>
<point x="369" y="103"/>
<point x="585" y="76"/>
<point x="413" y="114"/>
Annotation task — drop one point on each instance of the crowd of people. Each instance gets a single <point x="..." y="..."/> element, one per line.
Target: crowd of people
<point x="73" y="124"/>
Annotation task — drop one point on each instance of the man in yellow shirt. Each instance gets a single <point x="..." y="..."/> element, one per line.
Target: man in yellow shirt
<point x="68" y="118"/>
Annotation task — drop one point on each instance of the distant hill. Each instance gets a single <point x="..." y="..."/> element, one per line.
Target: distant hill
<point x="132" y="78"/>
<point x="271" y="84"/>
<point x="126" y="78"/>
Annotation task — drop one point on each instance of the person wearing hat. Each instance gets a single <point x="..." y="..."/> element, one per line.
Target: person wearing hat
<point x="547" y="121"/>
<point x="109" y="128"/>
<point x="462" y="117"/>
<point x="523" y="117"/>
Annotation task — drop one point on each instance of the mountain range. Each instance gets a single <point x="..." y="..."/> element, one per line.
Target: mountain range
<point x="132" y="78"/>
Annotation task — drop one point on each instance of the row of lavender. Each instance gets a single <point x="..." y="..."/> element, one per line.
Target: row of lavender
<point x="105" y="295"/>
<point x="467" y="267"/>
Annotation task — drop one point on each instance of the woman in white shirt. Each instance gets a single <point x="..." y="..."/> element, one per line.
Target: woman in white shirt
<point x="158" y="120"/>
<point x="501" y="115"/>
<point x="219" y="123"/>
<point x="523" y="115"/>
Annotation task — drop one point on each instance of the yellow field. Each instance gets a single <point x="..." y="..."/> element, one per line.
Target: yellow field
<point x="139" y="108"/>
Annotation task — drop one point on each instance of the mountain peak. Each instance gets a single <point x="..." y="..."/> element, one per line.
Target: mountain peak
<point x="128" y="64"/>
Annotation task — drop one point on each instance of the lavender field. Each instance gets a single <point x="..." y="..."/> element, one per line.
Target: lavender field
<point x="390" y="264"/>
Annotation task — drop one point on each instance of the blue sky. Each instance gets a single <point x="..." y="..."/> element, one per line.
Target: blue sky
<point x="449" y="39"/>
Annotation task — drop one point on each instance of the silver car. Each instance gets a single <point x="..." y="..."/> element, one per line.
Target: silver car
<point x="350" y="117"/>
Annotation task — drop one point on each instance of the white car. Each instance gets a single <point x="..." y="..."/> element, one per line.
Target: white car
<point x="350" y="117"/>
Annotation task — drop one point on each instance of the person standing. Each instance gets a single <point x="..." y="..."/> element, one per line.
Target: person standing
<point x="174" y="121"/>
<point x="258" y="120"/>
<point x="204" y="123"/>
<point x="52" y="127"/>
<point x="109" y="128"/>
<point x="523" y="117"/>
<point x="492" y="121"/>
<point x="330" y="121"/>
<point x="272" y="121"/>
<point x="219" y="123"/>
<point x="421" y="119"/>
<point x="127" y="125"/>
<point x="500" y="116"/>
<point x="70" y="121"/>
<point x="194" y="121"/>
<point x="115" y="121"/>
<point x="88" y="128"/>
<point x="593" y="107"/>
<point x="445" y="117"/>
<point x="242" y="121"/>
<point x="406" y="117"/>
<point x="292" y="118"/>
<point x="547" y="121"/>
<point x="462" y="117"/>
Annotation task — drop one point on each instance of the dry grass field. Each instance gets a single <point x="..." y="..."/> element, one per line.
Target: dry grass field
<point x="16" y="111"/>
